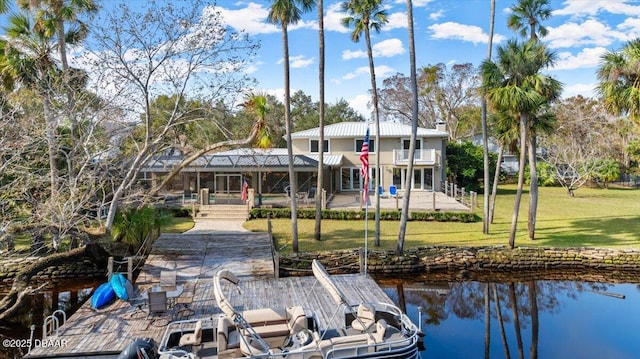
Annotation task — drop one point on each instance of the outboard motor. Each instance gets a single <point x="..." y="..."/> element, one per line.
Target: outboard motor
<point x="145" y="348"/>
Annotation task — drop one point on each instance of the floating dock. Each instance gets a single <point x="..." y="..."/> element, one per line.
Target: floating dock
<point x="196" y="257"/>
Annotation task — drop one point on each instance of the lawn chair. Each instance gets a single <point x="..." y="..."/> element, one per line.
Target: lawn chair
<point x="310" y="197"/>
<point x="157" y="303"/>
<point x="168" y="279"/>
<point x="393" y="191"/>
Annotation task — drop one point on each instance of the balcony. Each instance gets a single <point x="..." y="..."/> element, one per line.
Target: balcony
<point x="421" y="157"/>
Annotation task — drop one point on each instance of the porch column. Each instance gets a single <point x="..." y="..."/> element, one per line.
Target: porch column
<point x="259" y="188"/>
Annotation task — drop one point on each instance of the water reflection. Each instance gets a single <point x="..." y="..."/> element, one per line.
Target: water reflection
<point x="67" y="296"/>
<point x="534" y="319"/>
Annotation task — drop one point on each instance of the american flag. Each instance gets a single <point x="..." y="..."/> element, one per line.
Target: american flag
<point x="245" y="190"/>
<point x="364" y="171"/>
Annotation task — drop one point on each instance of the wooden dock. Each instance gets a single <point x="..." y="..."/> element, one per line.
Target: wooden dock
<point x="196" y="258"/>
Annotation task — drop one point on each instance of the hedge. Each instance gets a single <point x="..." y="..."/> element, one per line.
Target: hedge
<point x="465" y="217"/>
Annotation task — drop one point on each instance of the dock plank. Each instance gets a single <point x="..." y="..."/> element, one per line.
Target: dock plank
<point x="196" y="258"/>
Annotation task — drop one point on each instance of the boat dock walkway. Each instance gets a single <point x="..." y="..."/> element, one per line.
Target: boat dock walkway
<point x="196" y="256"/>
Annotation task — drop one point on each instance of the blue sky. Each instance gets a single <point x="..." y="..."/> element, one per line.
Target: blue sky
<point x="447" y="31"/>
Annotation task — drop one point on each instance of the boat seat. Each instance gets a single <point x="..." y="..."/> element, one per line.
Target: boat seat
<point x="381" y="330"/>
<point x="266" y="316"/>
<point x="365" y="318"/>
<point x="250" y="346"/>
<point x="194" y="338"/>
<point x="268" y="326"/>
<point x="228" y="336"/>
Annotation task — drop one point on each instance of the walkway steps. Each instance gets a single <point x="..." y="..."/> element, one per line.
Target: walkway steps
<point x="222" y="212"/>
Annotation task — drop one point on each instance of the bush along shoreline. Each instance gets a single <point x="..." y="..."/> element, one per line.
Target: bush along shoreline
<point x="273" y="213"/>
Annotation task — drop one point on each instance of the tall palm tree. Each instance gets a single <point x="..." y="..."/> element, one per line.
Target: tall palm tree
<point x="414" y="129"/>
<point x="525" y="19"/>
<point x="514" y="84"/>
<point x="619" y="80"/>
<point x="284" y="13"/>
<point x="50" y="18"/>
<point x="320" y="183"/>
<point x="485" y="144"/>
<point x="28" y="59"/>
<point x="526" y="16"/>
<point x="364" y="15"/>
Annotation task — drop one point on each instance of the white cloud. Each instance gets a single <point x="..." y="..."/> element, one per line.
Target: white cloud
<point x="586" y="90"/>
<point x="416" y="3"/>
<point x="381" y="72"/>
<point x="630" y="27"/>
<point x="298" y="61"/>
<point x="436" y="15"/>
<point x="578" y="8"/>
<point x="360" y="103"/>
<point x="333" y="19"/>
<point x="588" y="57"/>
<point x="386" y="48"/>
<point x="469" y="33"/>
<point x="589" y="32"/>
<point x="251" y="19"/>
<point x="397" y="20"/>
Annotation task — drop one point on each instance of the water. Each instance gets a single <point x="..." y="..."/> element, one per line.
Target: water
<point x="575" y="319"/>
<point x="66" y="295"/>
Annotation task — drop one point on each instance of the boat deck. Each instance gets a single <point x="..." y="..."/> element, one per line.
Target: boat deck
<point x="196" y="258"/>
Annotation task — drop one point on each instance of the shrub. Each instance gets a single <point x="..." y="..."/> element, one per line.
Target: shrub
<point x="466" y="217"/>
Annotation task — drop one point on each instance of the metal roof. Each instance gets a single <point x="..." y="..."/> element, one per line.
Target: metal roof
<point x="358" y="129"/>
<point x="246" y="159"/>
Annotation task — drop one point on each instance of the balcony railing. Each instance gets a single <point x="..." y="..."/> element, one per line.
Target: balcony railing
<point x="421" y="157"/>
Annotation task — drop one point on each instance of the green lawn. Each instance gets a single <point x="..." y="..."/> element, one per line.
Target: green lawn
<point x="593" y="218"/>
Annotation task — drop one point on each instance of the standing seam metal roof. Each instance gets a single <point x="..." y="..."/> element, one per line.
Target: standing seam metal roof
<point x="358" y="129"/>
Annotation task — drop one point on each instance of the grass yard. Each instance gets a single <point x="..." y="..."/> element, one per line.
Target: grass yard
<point x="593" y="218"/>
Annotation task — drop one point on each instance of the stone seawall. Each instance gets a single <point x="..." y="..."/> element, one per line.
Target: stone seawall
<point x="81" y="268"/>
<point x="438" y="259"/>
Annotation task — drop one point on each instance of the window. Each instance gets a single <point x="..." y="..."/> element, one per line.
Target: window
<point x="372" y="145"/>
<point x="314" y="144"/>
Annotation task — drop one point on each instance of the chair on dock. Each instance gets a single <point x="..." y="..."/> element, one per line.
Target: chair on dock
<point x="158" y="302"/>
<point x="168" y="278"/>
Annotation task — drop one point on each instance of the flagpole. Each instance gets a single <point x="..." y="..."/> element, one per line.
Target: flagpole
<point x="366" y="232"/>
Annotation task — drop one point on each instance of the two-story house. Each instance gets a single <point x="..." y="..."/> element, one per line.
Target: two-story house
<point x="266" y="170"/>
<point x="392" y="153"/>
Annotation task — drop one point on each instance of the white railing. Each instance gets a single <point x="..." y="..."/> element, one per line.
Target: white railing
<point x="426" y="156"/>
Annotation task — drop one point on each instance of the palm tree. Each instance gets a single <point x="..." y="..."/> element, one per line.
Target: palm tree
<point x="51" y="16"/>
<point x="365" y="15"/>
<point x="526" y="16"/>
<point x="525" y="19"/>
<point x="619" y="80"/>
<point x="283" y="13"/>
<point x="320" y="183"/>
<point x="414" y="130"/>
<point x="514" y="84"/>
<point x="485" y="144"/>
<point x="27" y="58"/>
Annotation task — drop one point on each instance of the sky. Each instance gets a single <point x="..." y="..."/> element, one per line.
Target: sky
<point x="446" y="31"/>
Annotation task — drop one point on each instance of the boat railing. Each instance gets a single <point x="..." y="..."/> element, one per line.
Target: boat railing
<point x="181" y="326"/>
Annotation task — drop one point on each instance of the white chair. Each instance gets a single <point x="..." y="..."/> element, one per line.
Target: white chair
<point x="365" y="318"/>
<point x="168" y="278"/>
<point x="194" y="338"/>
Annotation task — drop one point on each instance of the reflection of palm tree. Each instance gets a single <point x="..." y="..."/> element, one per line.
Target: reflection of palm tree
<point x="487" y="321"/>
<point x="402" y="302"/>
<point x="496" y="299"/>
<point x="533" y="302"/>
<point x="516" y="319"/>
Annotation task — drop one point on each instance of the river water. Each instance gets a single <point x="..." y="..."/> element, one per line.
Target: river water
<point x="577" y="315"/>
<point x="538" y="318"/>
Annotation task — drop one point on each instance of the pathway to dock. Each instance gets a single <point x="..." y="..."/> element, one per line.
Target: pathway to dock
<point x="196" y="256"/>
